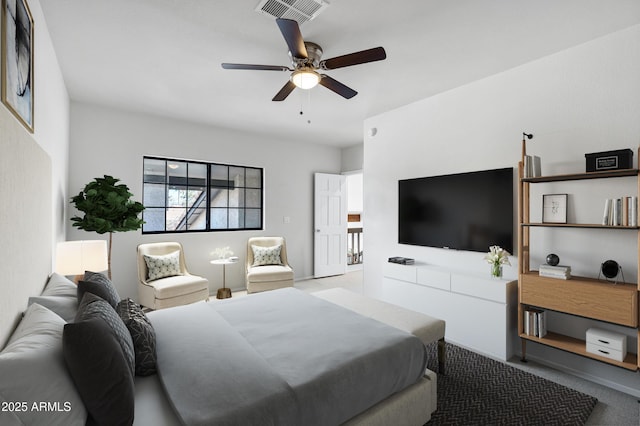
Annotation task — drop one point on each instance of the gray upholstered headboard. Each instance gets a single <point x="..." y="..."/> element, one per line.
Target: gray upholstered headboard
<point x="26" y="220"/>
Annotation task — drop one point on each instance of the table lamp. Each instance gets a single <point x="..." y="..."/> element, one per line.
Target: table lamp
<point x="76" y="257"/>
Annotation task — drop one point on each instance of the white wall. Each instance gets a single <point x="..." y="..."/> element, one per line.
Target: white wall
<point x="352" y="158"/>
<point x="113" y="142"/>
<point x="51" y="116"/>
<point x="585" y="99"/>
<point x="355" y="199"/>
<point x="30" y="164"/>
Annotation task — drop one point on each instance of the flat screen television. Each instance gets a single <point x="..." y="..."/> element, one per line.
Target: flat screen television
<point x="464" y="211"/>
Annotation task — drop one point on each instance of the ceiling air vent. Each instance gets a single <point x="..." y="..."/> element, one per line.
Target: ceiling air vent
<point x="298" y="10"/>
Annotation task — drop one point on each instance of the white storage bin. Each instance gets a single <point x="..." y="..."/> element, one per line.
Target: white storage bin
<point x="607" y="344"/>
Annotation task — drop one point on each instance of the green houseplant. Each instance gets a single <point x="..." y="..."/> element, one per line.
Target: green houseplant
<point x="107" y="207"/>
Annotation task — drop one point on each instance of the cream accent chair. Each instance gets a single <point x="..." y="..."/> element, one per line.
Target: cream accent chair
<point x="169" y="291"/>
<point x="268" y="277"/>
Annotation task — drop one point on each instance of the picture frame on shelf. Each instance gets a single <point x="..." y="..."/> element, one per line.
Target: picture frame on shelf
<point x="17" y="60"/>
<point x="554" y="208"/>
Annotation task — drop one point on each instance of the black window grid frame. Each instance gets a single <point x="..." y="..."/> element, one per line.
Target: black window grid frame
<point x="208" y="186"/>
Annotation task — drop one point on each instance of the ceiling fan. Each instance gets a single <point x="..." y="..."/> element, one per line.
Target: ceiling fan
<point x="305" y="59"/>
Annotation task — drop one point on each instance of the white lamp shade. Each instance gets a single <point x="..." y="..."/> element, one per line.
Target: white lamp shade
<point x="305" y="79"/>
<point x="76" y="257"/>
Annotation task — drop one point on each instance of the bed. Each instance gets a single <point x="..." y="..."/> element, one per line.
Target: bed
<point x="282" y="357"/>
<point x="37" y="387"/>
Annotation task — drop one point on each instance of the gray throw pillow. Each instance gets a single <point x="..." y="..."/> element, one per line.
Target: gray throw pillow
<point x="32" y="370"/>
<point x="142" y="334"/>
<point x="100" y="371"/>
<point x="93" y="306"/>
<point x="66" y="307"/>
<point x="58" y="285"/>
<point x="100" y="285"/>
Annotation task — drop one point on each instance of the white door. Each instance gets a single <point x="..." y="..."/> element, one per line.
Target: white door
<point x="330" y="220"/>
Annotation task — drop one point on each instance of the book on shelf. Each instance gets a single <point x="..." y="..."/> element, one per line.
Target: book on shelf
<point x="532" y="166"/>
<point x="606" y="215"/>
<point x="535" y="322"/>
<point x="622" y="211"/>
<point x="559" y="271"/>
<point x="613" y="214"/>
<point x="541" y="320"/>
<point x="633" y="210"/>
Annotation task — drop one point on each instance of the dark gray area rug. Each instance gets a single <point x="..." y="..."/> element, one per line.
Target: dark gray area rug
<point x="476" y="390"/>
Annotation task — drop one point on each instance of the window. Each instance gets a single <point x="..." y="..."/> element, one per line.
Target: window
<point x="183" y="196"/>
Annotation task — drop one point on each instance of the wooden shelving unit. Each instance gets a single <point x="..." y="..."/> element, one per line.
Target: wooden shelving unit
<point x="578" y="346"/>
<point x="584" y="297"/>
<point x="579" y="225"/>
<point x="582" y="176"/>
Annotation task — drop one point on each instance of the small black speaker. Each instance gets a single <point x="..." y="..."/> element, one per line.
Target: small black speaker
<point x="610" y="269"/>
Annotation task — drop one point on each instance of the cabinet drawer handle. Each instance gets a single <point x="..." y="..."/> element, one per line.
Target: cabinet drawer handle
<point x="603" y="341"/>
<point x="604" y="352"/>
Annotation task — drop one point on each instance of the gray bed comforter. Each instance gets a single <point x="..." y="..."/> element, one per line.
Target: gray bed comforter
<point x="281" y="357"/>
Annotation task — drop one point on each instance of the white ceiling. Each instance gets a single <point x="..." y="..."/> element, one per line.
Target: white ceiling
<point x="163" y="56"/>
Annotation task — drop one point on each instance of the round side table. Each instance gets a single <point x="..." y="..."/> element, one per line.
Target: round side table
<point x="224" y="292"/>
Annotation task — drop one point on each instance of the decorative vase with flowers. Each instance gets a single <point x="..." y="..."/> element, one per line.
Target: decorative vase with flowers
<point x="497" y="257"/>
<point x="222" y="252"/>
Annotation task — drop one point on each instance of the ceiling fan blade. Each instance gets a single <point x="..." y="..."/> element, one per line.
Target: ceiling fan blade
<point x="356" y="58"/>
<point x="336" y="86"/>
<point x="291" y="33"/>
<point x="284" y="92"/>
<point x="227" y="66"/>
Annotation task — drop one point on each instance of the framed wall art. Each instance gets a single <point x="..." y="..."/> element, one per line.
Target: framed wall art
<point x="17" y="60"/>
<point x="554" y="208"/>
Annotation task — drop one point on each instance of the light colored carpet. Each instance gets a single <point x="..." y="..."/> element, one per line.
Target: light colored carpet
<point x="613" y="407"/>
<point x="349" y="281"/>
<point x="352" y="281"/>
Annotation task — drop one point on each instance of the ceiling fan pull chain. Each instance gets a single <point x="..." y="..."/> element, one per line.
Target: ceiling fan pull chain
<point x="309" y="104"/>
<point x="301" y="104"/>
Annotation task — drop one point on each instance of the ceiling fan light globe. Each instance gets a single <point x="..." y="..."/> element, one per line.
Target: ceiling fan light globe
<point x="305" y="79"/>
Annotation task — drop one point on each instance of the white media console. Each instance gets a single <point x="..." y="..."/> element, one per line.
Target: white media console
<point x="480" y="312"/>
